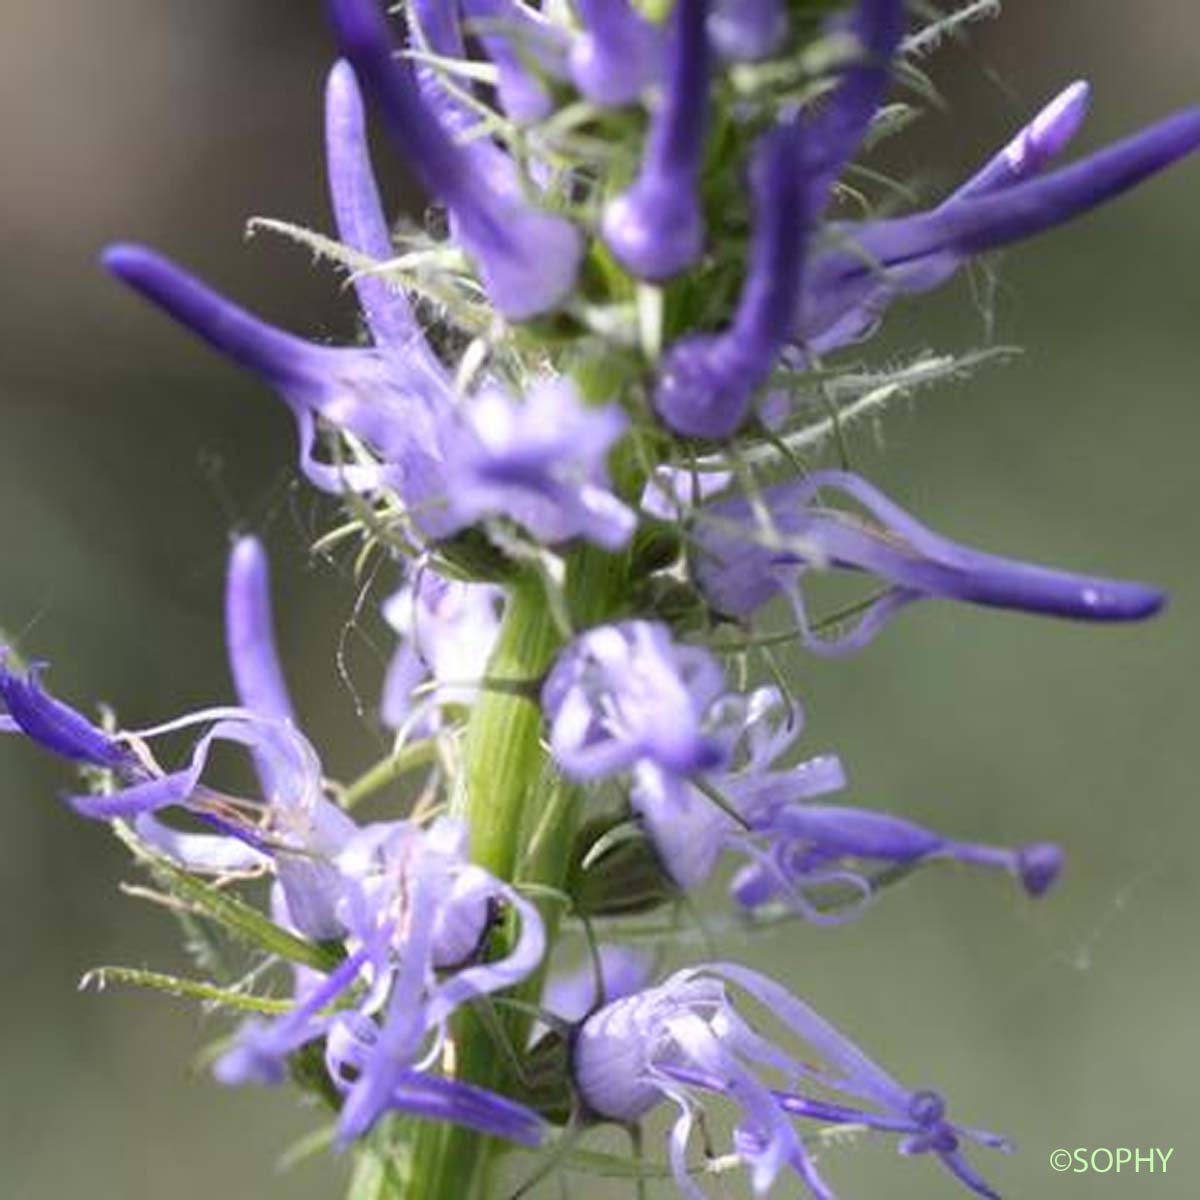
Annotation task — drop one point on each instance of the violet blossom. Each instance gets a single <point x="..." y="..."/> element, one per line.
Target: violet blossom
<point x="740" y="567"/>
<point x="686" y="1039"/>
<point x="618" y="54"/>
<point x="849" y="283"/>
<point x="624" y="693"/>
<point x="706" y="381"/>
<point x="417" y="912"/>
<point x="656" y="228"/>
<point x="527" y="257"/>
<point x="447" y="628"/>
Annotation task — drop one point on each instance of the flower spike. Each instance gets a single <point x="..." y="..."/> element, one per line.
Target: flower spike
<point x="707" y="381"/>
<point x="739" y="574"/>
<point x="528" y="259"/>
<point x="656" y="228"/>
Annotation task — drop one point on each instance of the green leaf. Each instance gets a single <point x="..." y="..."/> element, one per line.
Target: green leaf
<point x="184" y="989"/>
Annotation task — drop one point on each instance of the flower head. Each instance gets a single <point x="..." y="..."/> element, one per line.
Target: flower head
<point x="418" y="913"/>
<point x="740" y="569"/>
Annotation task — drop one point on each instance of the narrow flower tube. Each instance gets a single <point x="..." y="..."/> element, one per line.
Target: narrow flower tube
<point x="56" y="726"/>
<point x="618" y="54"/>
<point x="1026" y="155"/>
<point x="739" y="568"/>
<point x="845" y="288"/>
<point x="707" y="381"/>
<point x="389" y="402"/>
<point x="656" y="228"/>
<point x="745" y="30"/>
<point x="513" y="38"/>
<point x="250" y="633"/>
<point x="841" y="123"/>
<point x="686" y="1039"/>
<point x="806" y="840"/>
<point x="362" y="225"/>
<point x="528" y="259"/>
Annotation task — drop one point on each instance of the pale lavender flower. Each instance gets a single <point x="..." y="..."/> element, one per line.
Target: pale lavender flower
<point x="690" y="831"/>
<point x="686" y="1039"/>
<point x="623" y="693"/>
<point x="618" y="54"/>
<point x="745" y="30"/>
<point x="425" y="908"/>
<point x="527" y="258"/>
<point x="656" y="228"/>
<point x="540" y="461"/>
<point x="707" y="381"/>
<point x="740" y="567"/>
<point x="447" y="629"/>
<point x="417" y="913"/>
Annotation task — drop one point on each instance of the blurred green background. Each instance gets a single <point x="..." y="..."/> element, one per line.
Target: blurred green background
<point x="129" y="454"/>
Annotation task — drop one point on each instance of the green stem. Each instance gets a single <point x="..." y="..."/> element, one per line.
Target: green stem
<point x="505" y="768"/>
<point x="523" y="820"/>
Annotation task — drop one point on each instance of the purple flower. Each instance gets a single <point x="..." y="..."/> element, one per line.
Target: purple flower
<point x="513" y="37"/>
<point x="623" y="693"/>
<point x="838" y="128"/>
<point x="745" y="30"/>
<point x="656" y="228"/>
<point x="618" y="55"/>
<point x="418" y="913"/>
<point x="807" y="840"/>
<point x="540" y="461"/>
<point x="387" y="396"/>
<point x="685" y="1039"/>
<point x="847" y="287"/>
<point x="527" y="258"/>
<point x="740" y="567"/>
<point x="55" y="726"/>
<point x="425" y="909"/>
<point x="707" y="380"/>
<point x="447" y="630"/>
<point x="690" y="830"/>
